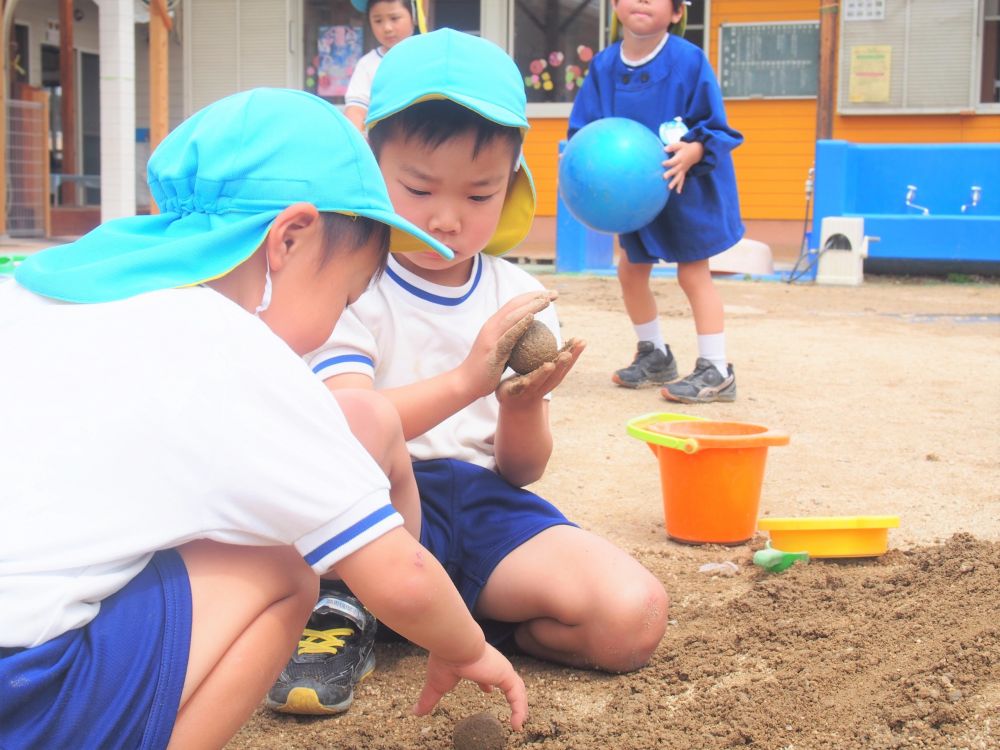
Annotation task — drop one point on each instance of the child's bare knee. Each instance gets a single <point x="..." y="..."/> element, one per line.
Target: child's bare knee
<point x="633" y="273"/>
<point x="641" y="617"/>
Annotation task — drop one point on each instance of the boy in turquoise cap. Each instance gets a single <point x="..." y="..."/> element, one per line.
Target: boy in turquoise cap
<point x="446" y="122"/>
<point x="181" y="477"/>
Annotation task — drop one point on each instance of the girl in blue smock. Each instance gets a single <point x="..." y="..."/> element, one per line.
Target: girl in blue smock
<point x="654" y="76"/>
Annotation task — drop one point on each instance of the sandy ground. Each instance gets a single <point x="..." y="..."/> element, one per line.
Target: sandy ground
<point x="891" y="395"/>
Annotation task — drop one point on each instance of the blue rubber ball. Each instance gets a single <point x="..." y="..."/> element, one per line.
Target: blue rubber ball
<point x="611" y="175"/>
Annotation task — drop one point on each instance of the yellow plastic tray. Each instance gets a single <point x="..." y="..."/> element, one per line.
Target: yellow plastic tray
<point x="831" y="536"/>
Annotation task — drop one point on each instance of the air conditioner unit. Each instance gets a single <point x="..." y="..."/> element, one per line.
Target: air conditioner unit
<point x="843" y="248"/>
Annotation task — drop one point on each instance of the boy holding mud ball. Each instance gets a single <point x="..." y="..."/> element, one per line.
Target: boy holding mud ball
<point x="446" y="122"/>
<point x="180" y="476"/>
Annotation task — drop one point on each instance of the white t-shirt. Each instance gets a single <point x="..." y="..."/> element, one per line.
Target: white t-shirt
<point x="404" y="330"/>
<point x="134" y="426"/>
<point x="359" y="88"/>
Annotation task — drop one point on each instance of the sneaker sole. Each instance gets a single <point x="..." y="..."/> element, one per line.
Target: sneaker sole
<point x="717" y="398"/>
<point x="305" y="701"/>
<point x="644" y="384"/>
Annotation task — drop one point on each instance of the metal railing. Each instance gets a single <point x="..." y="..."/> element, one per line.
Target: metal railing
<point x="27" y="169"/>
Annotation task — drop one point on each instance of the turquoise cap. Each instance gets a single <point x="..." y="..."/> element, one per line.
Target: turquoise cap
<point x="472" y="72"/>
<point x="220" y="179"/>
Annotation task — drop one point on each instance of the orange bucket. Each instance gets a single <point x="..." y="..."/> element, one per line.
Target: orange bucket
<point x="711" y="474"/>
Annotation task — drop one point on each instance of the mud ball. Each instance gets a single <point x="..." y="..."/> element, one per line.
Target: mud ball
<point x="482" y="731"/>
<point x="536" y="346"/>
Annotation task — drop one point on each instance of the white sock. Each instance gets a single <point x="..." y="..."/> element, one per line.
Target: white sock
<point x="651" y="332"/>
<point x="712" y="346"/>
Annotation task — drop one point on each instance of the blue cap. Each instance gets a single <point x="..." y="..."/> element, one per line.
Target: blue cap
<point x="219" y="180"/>
<point x="473" y="72"/>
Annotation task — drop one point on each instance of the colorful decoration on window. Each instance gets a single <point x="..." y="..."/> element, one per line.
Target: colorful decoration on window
<point x="574" y="76"/>
<point x="540" y="78"/>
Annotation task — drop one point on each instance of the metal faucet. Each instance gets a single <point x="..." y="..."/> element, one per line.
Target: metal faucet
<point x="977" y="192"/>
<point x="911" y="193"/>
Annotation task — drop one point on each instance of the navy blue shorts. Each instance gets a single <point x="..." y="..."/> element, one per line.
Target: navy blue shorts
<point x="114" y="683"/>
<point x="637" y="251"/>
<point x="473" y="518"/>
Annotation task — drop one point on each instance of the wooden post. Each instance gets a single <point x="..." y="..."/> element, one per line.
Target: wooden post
<point x="67" y="106"/>
<point x="43" y="137"/>
<point x="826" y="90"/>
<point x="159" y="77"/>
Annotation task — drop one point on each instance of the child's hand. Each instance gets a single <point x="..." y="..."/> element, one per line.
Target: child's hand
<point x="491" y="349"/>
<point x="684" y="155"/>
<point x="490" y="670"/>
<point x="529" y="388"/>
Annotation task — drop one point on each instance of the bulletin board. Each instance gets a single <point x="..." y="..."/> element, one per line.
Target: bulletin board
<point x="778" y="60"/>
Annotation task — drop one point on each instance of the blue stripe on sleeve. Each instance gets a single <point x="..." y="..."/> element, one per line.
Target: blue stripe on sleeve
<point x="344" y="358"/>
<point x="347" y="534"/>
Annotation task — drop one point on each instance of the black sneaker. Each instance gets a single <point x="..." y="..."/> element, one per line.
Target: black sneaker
<point x="703" y="386"/>
<point x="335" y="653"/>
<point x="650" y="367"/>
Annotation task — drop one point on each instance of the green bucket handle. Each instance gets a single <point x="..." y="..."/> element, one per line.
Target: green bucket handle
<point x="637" y="428"/>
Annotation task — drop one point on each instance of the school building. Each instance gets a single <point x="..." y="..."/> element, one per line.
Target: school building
<point x="903" y="71"/>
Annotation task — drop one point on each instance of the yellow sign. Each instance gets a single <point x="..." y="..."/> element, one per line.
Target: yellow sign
<point x="870" y="68"/>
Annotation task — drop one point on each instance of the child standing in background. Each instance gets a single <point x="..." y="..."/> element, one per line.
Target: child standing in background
<point x="391" y="22"/>
<point x="653" y="77"/>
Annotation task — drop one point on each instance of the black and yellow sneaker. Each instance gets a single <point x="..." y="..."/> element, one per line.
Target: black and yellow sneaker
<point x="335" y="653"/>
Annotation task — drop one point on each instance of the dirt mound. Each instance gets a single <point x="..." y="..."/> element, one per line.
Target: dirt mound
<point x="902" y="651"/>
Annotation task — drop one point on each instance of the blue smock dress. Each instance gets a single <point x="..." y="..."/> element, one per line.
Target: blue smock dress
<point x="705" y="219"/>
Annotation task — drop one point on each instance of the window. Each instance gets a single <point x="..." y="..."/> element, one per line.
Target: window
<point x="554" y="41"/>
<point x="990" y="78"/>
<point x="20" y="49"/>
<point x="334" y="37"/>
<point x="921" y="56"/>
<point x="461" y="15"/>
<point x="695" y="32"/>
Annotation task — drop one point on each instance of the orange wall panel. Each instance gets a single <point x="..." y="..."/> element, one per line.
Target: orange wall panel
<point x="541" y="151"/>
